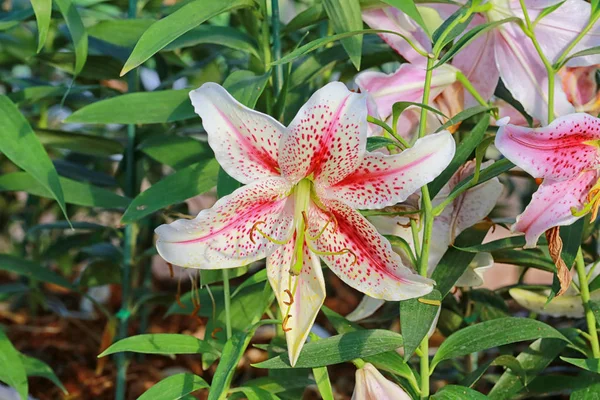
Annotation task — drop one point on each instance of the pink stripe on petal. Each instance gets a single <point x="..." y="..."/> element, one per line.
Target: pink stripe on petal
<point x="219" y="237"/>
<point x="245" y="141"/>
<point x="383" y="180"/>
<point x="327" y="136"/>
<point x="371" y="267"/>
<point x="559" y="151"/>
<point x="307" y="299"/>
<point x="551" y="205"/>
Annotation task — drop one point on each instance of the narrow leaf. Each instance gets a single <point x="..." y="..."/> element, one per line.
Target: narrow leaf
<point x="409" y="8"/>
<point x="77" y="31"/>
<point x="345" y="16"/>
<point x="416" y="318"/>
<point x="174" y="387"/>
<point x="12" y="370"/>
<point x="43" y="13"/>
<point x="160" y="343"/>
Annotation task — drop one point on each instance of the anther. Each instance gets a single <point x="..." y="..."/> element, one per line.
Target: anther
<point x="291" y="300"/>
<point x="284" y="323"/>
<point x="213" y="334"/>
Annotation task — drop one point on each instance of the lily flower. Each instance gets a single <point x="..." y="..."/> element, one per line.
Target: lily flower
<point x="579" y="83"/>
<point x="506" y="51"/>
<point x="568" y="305"/>
<point x="466" y="210"/>
<point x="565" y="154"/>
<point x="303" y="184"/>
<point x="372" y="385"/>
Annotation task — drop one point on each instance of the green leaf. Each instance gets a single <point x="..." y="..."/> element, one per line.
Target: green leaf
<point x="531" y="258"/>
<point x="497" y="168"/>
<point x="186" y="18"/>
<point x="338" y="349"/>
<point x="120" y="32"/>
<point x="246" y="87"/>
<point x="454" y="262"/>
<point x="137" y="108"/>
<point x="463" y="151"/>
<point x="589" y="364"/>
<point x="160" y="343"/>
<point x="220" y="35"/>
<point x="32" y="271"/>
<point x="533" y="361"/>
<point x="33" y="94"/>
<point x="43" y="14"/>
<point x="79" y="142"/>
<point x="79" y="193"/>
<point x="176" y="151"/>
<point x="547" y="11"/>
<point x="174" y="387"/>
<point x="230" y="357"/>
<point x="399" y="107"/>
<point x="505" y="360"/>
<point x="226" y="184"/>
<point x="389" y="361"/>
<point x="77" y="31"/>
<point x="497" y="332"/>
<point x="463" y="115"/>
<point x="11" y="19"/>
<point x="571" y="238"/>
<point x="12" y="371"/>
<point x="254" y="393"/>
<point x="175" y="188"/>
<point x="408" y="7"/>
<point x="416" y="319"/>
<point x="470" y="36"/>
<point x="100" y="272"/>
<point x="35" y="367"/>
<point x="587" y="52"/>
<point x="345" y="16"/>
<point x="258" y="277"/>
<point x="377" y="142"/>
<point x="22" y="147"/>
<point x="455" y="392"/>
<point x="591" y="392"/>
<point x="323" y="383"/>
<point x="437" y="39"/>
<point x="512" y="242"/>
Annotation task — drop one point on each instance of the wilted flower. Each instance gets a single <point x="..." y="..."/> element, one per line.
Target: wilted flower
<point x="303" y="184"/>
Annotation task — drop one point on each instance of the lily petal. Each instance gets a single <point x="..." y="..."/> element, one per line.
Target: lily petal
<point x="557" y="30"/>
<point x="569" y="306"/>
<point x="364" y="259"/>
<point x="383" y="180"/>
<point x="558" y="151"/>
<point x="306" y="294"/>
<point x="327" y="137"/>
<point x="219" y="237"/>
<point x="245" y="141"/>
<point x="367" y="307"/>
<point x="473" y="275"/>
<point x="551" y="206"/>
<point x="524" y="74"/>
<point x="406" y="84"/>
<point x="392" y="19"/>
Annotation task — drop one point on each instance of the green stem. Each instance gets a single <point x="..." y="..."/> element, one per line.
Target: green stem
<point x="426" y="91"/>
<point x="227" y="298"/>
<point x="584" y="290"/>
<point x="424" y="347"/>
<point x="529" y="32"/>
<point x="275" y="29"/>
<point x="129" y="238"/>
<point x="389" y="130"/>
<point x="470" y="88"/>
<point x="571" y="46"/>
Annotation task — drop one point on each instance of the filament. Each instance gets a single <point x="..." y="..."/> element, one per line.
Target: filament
<point x="334" y="253"/>
<point x="269" y="238"/>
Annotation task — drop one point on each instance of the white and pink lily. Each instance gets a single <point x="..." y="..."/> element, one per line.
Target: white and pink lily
<point x="504" y="51"/>
<point x="303" y="184"/>
<point x="465" y="211"/>
<point x="565" y="154"/>
<point x="372" y="385"/>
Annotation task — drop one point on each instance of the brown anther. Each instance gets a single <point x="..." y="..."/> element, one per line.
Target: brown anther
<point x="348" y="251"/>
<point x="171" y="269"/>
<point x="213" y="334"/>
<point x="195" y="310"/>
<point x="284" y="323"/>
<point x="594" y="198"/>
<point x="291" y="301"/>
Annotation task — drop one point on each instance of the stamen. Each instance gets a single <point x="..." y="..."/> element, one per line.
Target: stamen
<point x="178" y="295"/>
<point x="213" y="334"/>
<point x="170" y="269"/>
<point x="291" y="301"/>
<point x="334" y="253"/>
<point x="284" y="323"/>
<point x="331" y="218"/>
<point x="592" y="205"/>
<point x="269" y="238"/>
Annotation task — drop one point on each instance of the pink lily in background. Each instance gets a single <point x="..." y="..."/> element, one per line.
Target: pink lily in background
<point x="505" y="51"/>
<point x="406" y="84"/>
<point x="565" y="154"/>
<point x="465" y="211"/>
<point x="579" y="83"/>
<point x="372" y="385"/>
<point x="303" y="184"/>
